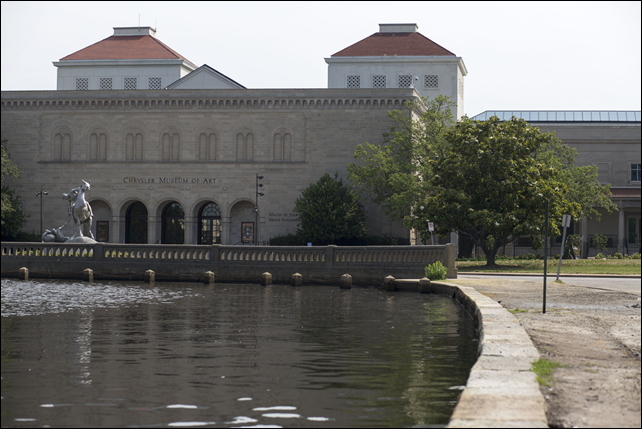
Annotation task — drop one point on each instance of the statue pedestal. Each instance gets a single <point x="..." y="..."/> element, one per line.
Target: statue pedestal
<point x="82" y="240"/>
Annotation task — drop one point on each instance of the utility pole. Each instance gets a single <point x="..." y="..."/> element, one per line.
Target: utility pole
<point x="256" y="209"/>
<point x="40" y="194"/>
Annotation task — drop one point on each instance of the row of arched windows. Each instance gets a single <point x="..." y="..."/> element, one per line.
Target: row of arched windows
<point x="173" y="224"/>
<point x="170" y="150"/>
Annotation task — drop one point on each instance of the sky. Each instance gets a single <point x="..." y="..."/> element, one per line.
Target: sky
<point x="519" y="55"/>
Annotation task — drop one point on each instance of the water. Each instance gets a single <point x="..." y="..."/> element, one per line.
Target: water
<point x="183" y="354"/>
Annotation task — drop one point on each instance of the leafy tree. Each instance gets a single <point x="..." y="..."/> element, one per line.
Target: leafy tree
<point x="11" y="217"/>
<point x="329" y="211"/>
<point x="490" y="184"/>
<point x="393" y="174"/>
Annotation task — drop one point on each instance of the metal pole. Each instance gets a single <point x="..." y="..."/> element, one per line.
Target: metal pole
<point x="40" y="211"/>
<point x="256" y="212"/>
<point x="559" y="265"/>
<point x="545" y="255"/>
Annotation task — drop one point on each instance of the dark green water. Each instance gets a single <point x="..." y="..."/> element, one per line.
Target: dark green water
<point x="187" y="355"/>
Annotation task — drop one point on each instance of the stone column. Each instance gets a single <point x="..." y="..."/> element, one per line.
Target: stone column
<point x="189" y="230"/>
<point x="114" y="230"/>
<point x="620" y="231"/>
<point x="151" y="230"/>
<point x="225" y="230"/>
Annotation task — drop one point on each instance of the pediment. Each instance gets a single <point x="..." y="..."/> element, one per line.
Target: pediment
<point x="205" y="77"/>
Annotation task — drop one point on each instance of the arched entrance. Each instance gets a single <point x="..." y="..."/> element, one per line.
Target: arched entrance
<point x="136" y="223"/>
<point x="209" y="224"/>
<point x="173" y="224"/>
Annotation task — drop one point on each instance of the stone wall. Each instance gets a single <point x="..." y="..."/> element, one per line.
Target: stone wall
<point x="192" y="147"/>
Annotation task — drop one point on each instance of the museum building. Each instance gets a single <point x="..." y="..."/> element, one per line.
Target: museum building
<point x="174" y="152"/>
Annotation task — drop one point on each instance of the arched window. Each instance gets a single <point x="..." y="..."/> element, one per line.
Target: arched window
<point x="171" y="146"/>
<point x="62" y="146"/>
<point x="98" y="146"/>
<point x="134" y="146"/>
<point x="282" y="146"/>
<point x="173" y="231"/>
<point x="209" y="221"/>
<point x="136" y="223"/>
<point x="207" y="146"/>
<point x="244" y="146"/>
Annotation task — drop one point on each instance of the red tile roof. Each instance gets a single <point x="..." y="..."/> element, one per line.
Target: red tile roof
<point x="126" y="48"/>
<point x="390" y="44"/>
<point x="626" y="192"/>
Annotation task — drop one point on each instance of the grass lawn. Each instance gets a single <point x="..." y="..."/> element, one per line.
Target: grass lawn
<point x="569" y="266"/>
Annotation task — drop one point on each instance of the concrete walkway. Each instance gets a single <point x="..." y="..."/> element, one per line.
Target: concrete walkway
<point x="629" y="284"/>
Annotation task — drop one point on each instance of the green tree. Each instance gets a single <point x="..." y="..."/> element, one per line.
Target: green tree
<point x="329" y="211"/>
<point x="491" y="182"/>
<point x="11" y="217"/>
<point x="393" y="174"/>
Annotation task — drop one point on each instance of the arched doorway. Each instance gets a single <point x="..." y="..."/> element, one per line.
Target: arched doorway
<point x="173" y="224"/>
<point x="209" y="224"/>
<point x="136" y="223"/>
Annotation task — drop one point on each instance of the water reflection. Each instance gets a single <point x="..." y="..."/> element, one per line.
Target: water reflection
<point x="189" y="355"/>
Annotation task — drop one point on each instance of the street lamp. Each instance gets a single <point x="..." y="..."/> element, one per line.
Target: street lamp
<point x="256" y="209"/>
<point x="40" y="194"/>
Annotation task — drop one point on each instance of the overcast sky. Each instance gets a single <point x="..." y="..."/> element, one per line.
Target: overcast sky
<point x="519" y="56"/>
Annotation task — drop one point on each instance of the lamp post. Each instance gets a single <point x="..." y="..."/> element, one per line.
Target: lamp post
<point x="40" y="194"/>
<point x="256" y="209"/>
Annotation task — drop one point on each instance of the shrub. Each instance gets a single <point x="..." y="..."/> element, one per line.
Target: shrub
<point x="530" y="256"/>
<point x="635" y="256"/>
<point x="618" y="255"/>
<point x="599" y="256"/>
<point x="599" y="242"/>
<point x="436" y="271"/>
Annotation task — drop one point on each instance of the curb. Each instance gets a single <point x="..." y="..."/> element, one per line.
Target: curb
<point x="502" y="390"/>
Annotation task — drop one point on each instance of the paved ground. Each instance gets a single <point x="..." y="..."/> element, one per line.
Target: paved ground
<point x="619" y="284"/>
<point x="592" y="327"/>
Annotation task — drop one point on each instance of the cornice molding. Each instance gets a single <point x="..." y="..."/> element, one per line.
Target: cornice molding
<point x="191" y="100"/>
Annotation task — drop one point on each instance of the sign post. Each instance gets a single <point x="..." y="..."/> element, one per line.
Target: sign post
<point x="566" y="222"/>
<point x="431" y="228"/>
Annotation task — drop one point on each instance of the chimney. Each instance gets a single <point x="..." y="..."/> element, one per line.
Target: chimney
<point x="134" y="31"/>
<point x="398" y="28"/>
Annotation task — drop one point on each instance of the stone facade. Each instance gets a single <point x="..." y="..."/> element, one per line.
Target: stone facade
<point x="190" y="147"/>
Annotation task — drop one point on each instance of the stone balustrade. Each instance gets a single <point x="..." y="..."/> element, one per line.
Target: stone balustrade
<point x="317" y="264"/>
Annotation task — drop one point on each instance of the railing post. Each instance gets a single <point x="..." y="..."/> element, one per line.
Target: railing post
<point x="99" y="252"/>
<point x="215" y="256"/>
<point x="329" y="256"/>
<point x="451" y="269"/>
